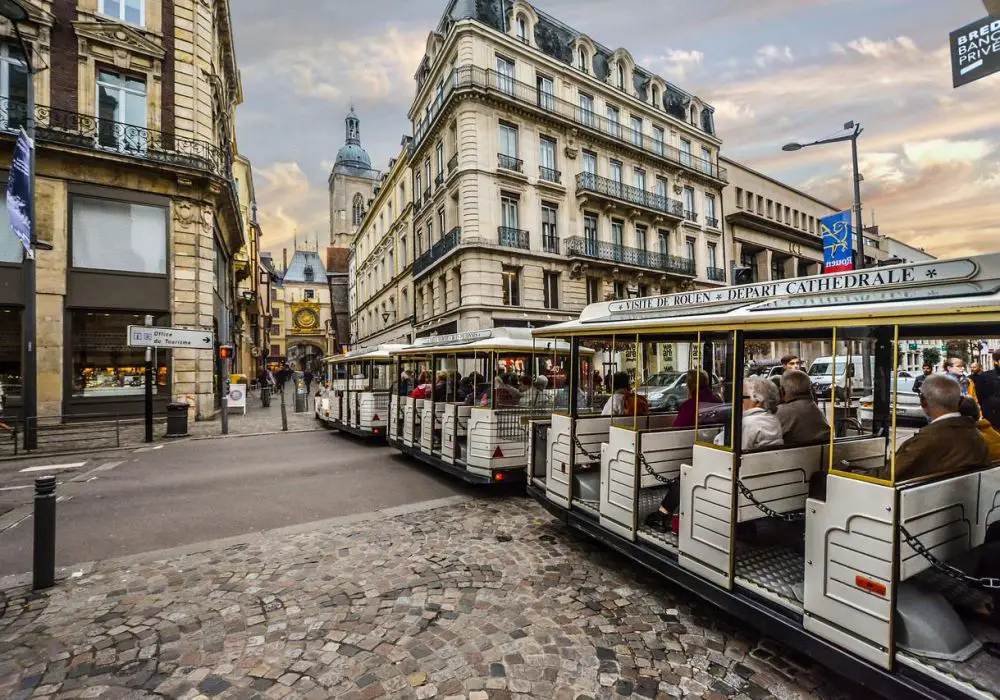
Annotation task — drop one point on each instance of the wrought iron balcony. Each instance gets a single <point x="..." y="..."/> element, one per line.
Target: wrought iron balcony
<point x="588" y="182"/>
<point x="581" y="247"/>
<point x="513" y="238"/>
<point x="427" y="192"/>
<point x="437" y="251"/>
<point x="691" y="215"/>
<point x="550" y="175"/>
<point x="116" y="138"/>
<point x="418" y="202"/>
<point x="711" y="222"/>
<point x="452" y="163"/>
<point x="478" y="81"/>
<point x="550" y="244"/>
<point x="439" y="179"/>
<point x="716" y="274"/>
<point x="509" y="162"/>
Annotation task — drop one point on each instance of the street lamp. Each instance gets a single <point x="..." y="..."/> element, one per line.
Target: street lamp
<point x="855" y="131"/>
<point x="15" y="12"/>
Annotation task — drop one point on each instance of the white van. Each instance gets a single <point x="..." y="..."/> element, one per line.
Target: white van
<point x="821" y="375"/>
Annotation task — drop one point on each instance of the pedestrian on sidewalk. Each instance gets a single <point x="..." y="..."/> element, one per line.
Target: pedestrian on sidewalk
<point x="282" y="378"/>
<point x="308" y="377"/>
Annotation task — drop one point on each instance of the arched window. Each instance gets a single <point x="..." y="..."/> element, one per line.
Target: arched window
<point x="522" y="29"/>
<point x="581" y="59"/>
<point x="621" y="77"/>
<point x="357" y="209"/>
<point x="694" y="114"/>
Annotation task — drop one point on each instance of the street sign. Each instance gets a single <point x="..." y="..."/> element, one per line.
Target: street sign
<point x="975" y="51"/>
<point x="152" y="337"/>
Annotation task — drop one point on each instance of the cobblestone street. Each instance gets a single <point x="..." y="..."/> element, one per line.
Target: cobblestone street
<point x="489" y="598"/>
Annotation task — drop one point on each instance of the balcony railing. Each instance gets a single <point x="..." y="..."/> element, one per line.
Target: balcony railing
<point x="452" y="163"/>
<point x="509" y="162"/>
<point x="437" y="251"/>
<point x="711" y="222"/>
<point x="716" y="274"/>
<point x="439" y="179"/>
<point x="470" y="79"/>
<point x="589" y="182"/>
<point x="513" y="238"/>
<point x="691" y="215"/>
<point x="418" y="202"/>
<point x="550" y="244"/>
<point x="579" y="246"/>
<point x="427" y="192"/>
<point x="117" y="138"/>
<point x="550" y="175"/>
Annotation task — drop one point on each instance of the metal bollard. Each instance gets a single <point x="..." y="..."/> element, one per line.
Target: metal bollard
<point x="284" y="414"/>
<point x="44" y="569"/>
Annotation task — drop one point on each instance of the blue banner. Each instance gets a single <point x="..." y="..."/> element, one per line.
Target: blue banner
<point x="19" y="190"/>
<point x="837" y="242"/>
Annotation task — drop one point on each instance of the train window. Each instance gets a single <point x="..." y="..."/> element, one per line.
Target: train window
<point x="512" y="378"/>
<point x="664" y="378"/>
<point x="471" y="379"/>
<point x="381" y="376"/>
<point x="715" y="355"/>
<point x="445" y="378"/>
<point x="606" y="379"/>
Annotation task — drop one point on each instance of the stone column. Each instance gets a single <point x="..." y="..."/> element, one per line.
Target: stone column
<point x="50" y="285"/>
<point x="815" y="268"/>
<point x="192" y="302"/>
<point x="763" y="262"/>
<point x="791" y="267"/>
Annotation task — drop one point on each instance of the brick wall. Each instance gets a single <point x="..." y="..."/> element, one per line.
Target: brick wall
<point x="169" y="44"/>
<point x="64" y="57"/>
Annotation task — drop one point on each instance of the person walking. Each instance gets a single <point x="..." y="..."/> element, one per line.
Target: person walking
<point x="308" y="377"/>
<point x="918" y="382"/>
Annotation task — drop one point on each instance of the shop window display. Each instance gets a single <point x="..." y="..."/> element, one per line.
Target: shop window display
<point x="103" y="364"/>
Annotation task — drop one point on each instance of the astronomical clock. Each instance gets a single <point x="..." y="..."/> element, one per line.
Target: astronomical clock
<point x="305" y="319"/>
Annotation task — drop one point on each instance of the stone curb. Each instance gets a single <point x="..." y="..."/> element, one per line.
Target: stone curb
<point x="68" y="573"/>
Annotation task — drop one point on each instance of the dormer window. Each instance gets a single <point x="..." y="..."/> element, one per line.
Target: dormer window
<point x="581" y="60"/>
<point x="309" y="273"/>
<point x="694" y="115"/>
<point x="621" y="77"/>
<point x="522" y="29"/>
<point x="655" y="95"/>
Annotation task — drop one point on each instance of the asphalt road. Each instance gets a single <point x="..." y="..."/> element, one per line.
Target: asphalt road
<point x="137" y="501"/>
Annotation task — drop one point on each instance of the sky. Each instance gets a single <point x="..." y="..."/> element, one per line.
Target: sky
<point x="775" y="71"/>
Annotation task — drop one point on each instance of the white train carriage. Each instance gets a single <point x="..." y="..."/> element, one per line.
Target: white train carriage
<point x="463" y="402"/>
<point x="357" y="401"/>
<point x="879" y="565"/>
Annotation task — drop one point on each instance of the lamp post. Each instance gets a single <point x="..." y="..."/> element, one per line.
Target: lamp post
<point x="855" y="131"/>
<point x="15" y="12"/>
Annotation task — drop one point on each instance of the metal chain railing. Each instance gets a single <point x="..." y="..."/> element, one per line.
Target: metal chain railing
<point x="666" y="480"/>
<point x="588" y="454"/>
<point x="768" y="511"/>
<point x="948" y="570"/>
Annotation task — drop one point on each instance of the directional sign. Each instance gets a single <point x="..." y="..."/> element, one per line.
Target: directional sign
<point x="153" y="337"/>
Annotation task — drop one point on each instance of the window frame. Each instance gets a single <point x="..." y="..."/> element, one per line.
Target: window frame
<point x="510" y="283"/>
<point x="101" y="5"/>
<point x="550" y="289"/>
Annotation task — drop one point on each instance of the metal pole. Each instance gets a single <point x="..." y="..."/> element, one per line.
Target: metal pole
<point x="284" y="412"/>
<point x="859" y="253"/>
<point x="29" y="382"/>
<point x="149" y="386"/>
<point x="225" y="405"/>
<point x="44" y="564"/>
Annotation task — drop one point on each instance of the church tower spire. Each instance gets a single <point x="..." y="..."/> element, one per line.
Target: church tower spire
<point x="353" y="128"/>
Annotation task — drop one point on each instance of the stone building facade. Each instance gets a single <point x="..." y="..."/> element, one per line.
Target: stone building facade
<point x="301" y="329"/>
<point x="550" y="171"/>
<point x="382" y="258"/>
<point x="135" y="194"/>
<point x="351" y="183"/>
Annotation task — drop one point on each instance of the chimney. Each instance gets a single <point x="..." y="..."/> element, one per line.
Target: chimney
<point x="284" y="259"/>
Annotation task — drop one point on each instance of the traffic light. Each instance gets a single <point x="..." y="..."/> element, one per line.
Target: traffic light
<point x="225" y="352"/>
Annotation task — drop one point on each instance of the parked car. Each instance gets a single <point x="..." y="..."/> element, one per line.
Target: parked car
<point x="668" y="390"/>
<point x="908" y="411"/>
<point x="847" y="378"/>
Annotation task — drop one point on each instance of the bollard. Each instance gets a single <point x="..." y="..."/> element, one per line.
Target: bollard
<point x="284" y="414"/>
<point x="44" y="569"/>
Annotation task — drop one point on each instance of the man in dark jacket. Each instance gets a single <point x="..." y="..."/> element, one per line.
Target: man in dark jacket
<point x="801" y="419"/>
<point x="950" y="442"/>
<point x="928" y="371"/>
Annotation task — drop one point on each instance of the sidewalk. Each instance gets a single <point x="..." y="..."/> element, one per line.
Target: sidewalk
<point x="132" y="431"/>
<point x="459" y="598"/>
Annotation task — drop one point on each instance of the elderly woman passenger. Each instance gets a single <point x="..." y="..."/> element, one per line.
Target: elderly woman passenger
<point x="800" y="418"/>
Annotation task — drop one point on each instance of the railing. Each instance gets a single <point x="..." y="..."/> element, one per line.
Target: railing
<point x="439" y="179"/>
<point x="711" y="222"/>
<point x="509" y="162"/>
<point x="437" y="251"/>
<point x="716" y="274"/>
<point x="513" y="238"/>
<point x="580" y="246"/>
<point x="550" y="244"/>
<point x="590" y="182"/>
<point x="472" y="79"/>
<point x="690" y="215"/>
<point x="86" y="131"/>
<point x="418" y="202"/>
<point x="452" y="163"/>
<point x="427" y="192"/>
<point x="550" y="175"/>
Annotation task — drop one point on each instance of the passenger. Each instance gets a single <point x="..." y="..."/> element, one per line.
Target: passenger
<point x="533" y="391"/>
<point x="800" y="418"/>
<point x="423" y="388"/>
<point x="950" y="442"/>
<point x="970" y="409"/>
<point x="465" y="390"/>
<point x="787" y="362"/>
<point x="441" y="387"/>
<point x="928" y="371"/>
<point x="615" y="405"/>
<point x="955" y="369"/>
<point x="760" y="429"/>
<point x="697" y="380"/>
<point x="987" y="388"/>
<point x="975" y="368"/>
<point x="507" y="394"/>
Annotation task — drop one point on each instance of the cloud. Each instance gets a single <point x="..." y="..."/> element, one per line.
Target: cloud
<point x="374" y="67"/>
<point x="290" y="205"/>
<point x="675" y="64"/>
<point x="877" y="49"/>
<point x="771" y="53"/>
<point x="942" y="151"/>
<point x="730" y="112"/>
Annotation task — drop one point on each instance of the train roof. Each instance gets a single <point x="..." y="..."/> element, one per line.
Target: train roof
<point x="379" y="352"/>
<point x="488" y="339"/>
<point x="938" y="288"/>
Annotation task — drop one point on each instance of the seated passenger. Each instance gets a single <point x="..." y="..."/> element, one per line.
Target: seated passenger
<point x="970" y="409"/>
<point x="533" y="391"/>
<point x="697" y="379"/>
<point x="760" y="429"/>
<point x="422" y="390"/>
<point x="950" y="442"/>
<point x="800" y="418"/>
<point x="624" y="401"/>
<point x="506" y="394"/>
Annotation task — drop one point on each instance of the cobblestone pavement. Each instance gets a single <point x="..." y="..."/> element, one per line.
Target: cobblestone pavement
<point x="487" y="599"/>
